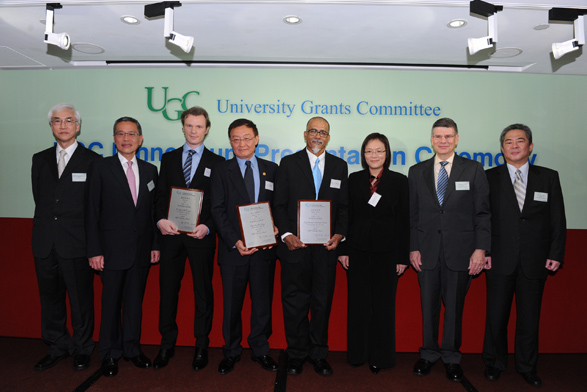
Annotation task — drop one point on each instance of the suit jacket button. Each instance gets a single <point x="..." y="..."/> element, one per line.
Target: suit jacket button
<point x="56" y="200"/>
<point x="55" y="218"/>
<point x="439" y="231"/>
<point x="442" y="212"/>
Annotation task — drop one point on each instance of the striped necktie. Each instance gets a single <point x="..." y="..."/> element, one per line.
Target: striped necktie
<point x="187" y="168"/>
<point x="442" y="182"/>
<point x="520" y="189"/>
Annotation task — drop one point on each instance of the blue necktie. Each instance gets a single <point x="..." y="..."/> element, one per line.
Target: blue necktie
<point x="187" y="168"/>
<point x="250" y="181"/>
<point x="442" y="182"/>
<point x="317" y="177"/>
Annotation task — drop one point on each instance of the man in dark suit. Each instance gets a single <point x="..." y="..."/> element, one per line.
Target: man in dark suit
<point x="189" y="166"/>
<point x="120" y="233"/>
<point x="449" y="234"/>
<point x="245" y="179"/>
<point x="308" y="272"/>
<point x="59" y="182"/>
<point x="528" y="234"/>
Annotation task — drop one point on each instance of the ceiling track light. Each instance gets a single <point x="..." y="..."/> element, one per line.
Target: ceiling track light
<point x="577" y="16"/>
<point x="488" y="10"/>
<point x="165" y="8"/>
<point x="62" y="39"/>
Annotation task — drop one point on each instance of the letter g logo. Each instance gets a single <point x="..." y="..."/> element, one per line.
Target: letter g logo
<point x="177" y="102"/>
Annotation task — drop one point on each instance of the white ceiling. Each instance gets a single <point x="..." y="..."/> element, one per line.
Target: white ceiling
<point x="384" y="33"/>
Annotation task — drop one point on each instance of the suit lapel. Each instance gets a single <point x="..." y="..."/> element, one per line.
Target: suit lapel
<point x="533" y="182"/>
<point x="236" y="177"/>
<point x="143" y="182"/>
<point x="304" y="164"/>
<point x="429" y="178"/>
<point x="52" y="161"/>
<point x="507" y="188"/>
<point x="262" y="179"/>
<point x="120" y="176"/>
<point x="455" y="173"/>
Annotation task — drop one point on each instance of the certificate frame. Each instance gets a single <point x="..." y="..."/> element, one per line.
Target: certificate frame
<point x="320" y="234"/>
<point x="256" y="216"/>
<point x="185" y="208"/>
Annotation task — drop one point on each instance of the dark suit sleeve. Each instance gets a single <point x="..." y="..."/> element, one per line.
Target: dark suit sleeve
<point x="403" y="221"/>
<point x="35" y="178"/>
<point x="162" y="190"/>
<point x="93" y="195"/>
<point x="558" y="230"/>
<point x="155" y="179"/>
<point x="342" y="210"/>
<point x="414" y="208"/>
<point x="281" y="198"/>
<point x="482" y="215"/>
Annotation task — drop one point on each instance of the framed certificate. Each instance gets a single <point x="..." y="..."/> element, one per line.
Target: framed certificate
<point x="185" y="206"/>
<point x="314" y="223"/>
<point x="256" y="223"/>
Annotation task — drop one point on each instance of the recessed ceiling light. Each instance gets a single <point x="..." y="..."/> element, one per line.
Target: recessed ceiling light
<point x="455" y="24"/>
<point x="88" y="48"/>
<point x="503" y="53"/>
<point x="292" y="19"/>
<point x="541" y="27"/>
<point x="129" y="19"/>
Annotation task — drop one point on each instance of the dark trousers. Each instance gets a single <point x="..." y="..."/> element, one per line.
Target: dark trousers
<point x="57" y="276"/>
<point x="307" y="286"/>
<point x="122" y="291"/>
<point x="500" y="294"/>
<point x="171" y="270"/>
<point x="259" y="274"/>
<point x="450" y="287"/>
<point x="372" y="285"/>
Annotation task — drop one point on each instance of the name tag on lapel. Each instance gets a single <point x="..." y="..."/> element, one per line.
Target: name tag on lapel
<point x="462" y="185"/>
<point x="78" y="177"/>
<point x="151" y="185"/>
<point x="269" y="185"/>
<point x="207" y="172"/>
<point x="374" y="199"/>
<point x="541" y="196"/>
<point x="335" y="183"/>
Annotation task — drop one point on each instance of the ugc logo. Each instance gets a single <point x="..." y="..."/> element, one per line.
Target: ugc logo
<point x="177" y="105"/>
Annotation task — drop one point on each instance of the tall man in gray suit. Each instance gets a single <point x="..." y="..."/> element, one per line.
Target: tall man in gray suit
<point x="449" y="235"/>
<point x="528" y="235"/>
<point x="59" y="182"/>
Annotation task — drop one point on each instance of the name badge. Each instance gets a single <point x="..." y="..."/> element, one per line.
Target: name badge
<point x="541" y="196"/>
<point x="374" y="199"/>
<point x="462" y="185"/>
<point x="269" y="185"/>
<point x="207" y="172"/>
<point x="151" y="185"/>
<point x="335" y="183"/>
<point x="78" y="177"/>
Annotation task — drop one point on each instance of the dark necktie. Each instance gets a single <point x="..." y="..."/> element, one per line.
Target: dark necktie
<point x="250" y="181"/>
<point x="187" y="168"/>
<point x="442" y="182"/>
<point x="374" y="182"/>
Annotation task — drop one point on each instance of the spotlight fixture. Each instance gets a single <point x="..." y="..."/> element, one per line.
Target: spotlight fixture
<point x="482" y="8"/>
<point x="185" y="42"/>
<point x="61" y="40"/>
<point x="577" y="16"/>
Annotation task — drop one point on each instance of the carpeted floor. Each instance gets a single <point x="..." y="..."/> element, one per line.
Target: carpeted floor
<point x="17" y="356"/>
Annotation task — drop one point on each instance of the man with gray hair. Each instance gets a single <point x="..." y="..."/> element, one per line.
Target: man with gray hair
<point x="59" y="241"/>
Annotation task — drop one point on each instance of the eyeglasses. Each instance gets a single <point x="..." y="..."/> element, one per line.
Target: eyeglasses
<point x="129" y="134"/>
<point x="375" y="152"/>
<point x="445" y="137"/>
<point x="66" y="121"/>
<point x="237" y="140"/>
<point x="314" y="132"/>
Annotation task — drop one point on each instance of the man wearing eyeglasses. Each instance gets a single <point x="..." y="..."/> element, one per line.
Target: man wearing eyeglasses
<point x="449" y="234"/>
<point x="189" y="166"/>
<point x="120" y="233"/>
<point x="308" y="272"/>
<point x="59" y="177"/>
<point x="242" y="180"/>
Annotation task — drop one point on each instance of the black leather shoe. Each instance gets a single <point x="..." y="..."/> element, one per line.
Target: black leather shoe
<point x="49" y="361"/>
<point x="374" y="369"/>
<point x="162" y="359"/>
<point x="321" y="366"/>
<point x="532" y="379"/>
<point x="454" y="372"/>
<point x="200" y="358"/>
<point x="110" y="367"/>
<point x="266" y="362"/>
<point x="227" y="364"/>
<point x="140" y="361"/>
<point x="492" y="373"/>
<point x="295" y="366"/>
<point x="81" y="362"/>
<point x="422" y="367"/>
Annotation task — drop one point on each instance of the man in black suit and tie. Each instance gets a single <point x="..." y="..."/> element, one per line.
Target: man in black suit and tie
<point x="59" y="177"/>
<point x="189" y="166"/>
<point x="528" y="234"/>
<point x="120" y="233"/>
<point x="449" y="235"/>
<point x="245" y="179"/>
<point x="308" y="272"/>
